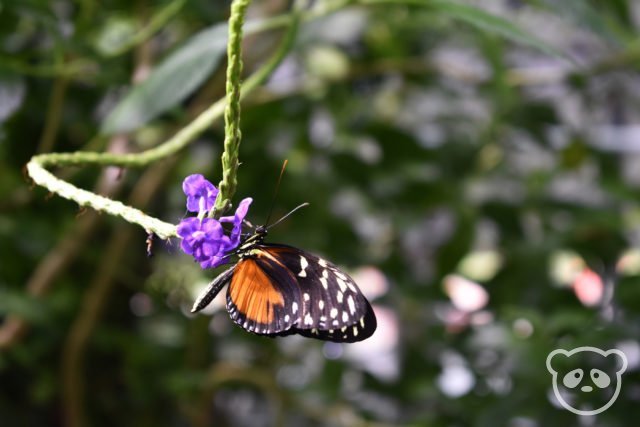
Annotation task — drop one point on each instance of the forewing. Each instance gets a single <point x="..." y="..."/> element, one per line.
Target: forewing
<point x="333" y="308"/>
<point x="212" y="289"/>
<point x="263" y="296"/>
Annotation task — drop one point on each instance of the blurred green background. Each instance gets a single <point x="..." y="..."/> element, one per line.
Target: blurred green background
<point x="474" y="165"/>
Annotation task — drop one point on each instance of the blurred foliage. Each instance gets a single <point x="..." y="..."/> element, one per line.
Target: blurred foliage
<point x="493" y="141"/>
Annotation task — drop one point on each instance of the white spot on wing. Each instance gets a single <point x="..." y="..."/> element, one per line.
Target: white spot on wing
<point x="340" y="296"/>
<point x="306" y="296"/>
<point x="286" y="318"/>
<point x="324" y="282"/>
<point x="303" y="265"/>
<point x="308" y="320"/>
<point x="352" y="304"/>
<point x="333" y="313"/>
<point x="294" y="307"/>
<point x="345" y="316"/>
<point x="355" y="331"/>
<point x="320" y="304"/>
<point x="322" y="263"/>
<point x="343" y="286"/>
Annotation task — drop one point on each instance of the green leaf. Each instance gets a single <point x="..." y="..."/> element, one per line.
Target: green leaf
<point x="480" y="19"/>
<point x="585" y="15"/>
<point x="492" y="23"/>
<point x="171" y="82"/>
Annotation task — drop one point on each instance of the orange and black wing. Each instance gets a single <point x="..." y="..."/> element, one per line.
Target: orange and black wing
<point x="263" y="296"/>
<point x="281" y="290"/>
<point x="328" y="303"/>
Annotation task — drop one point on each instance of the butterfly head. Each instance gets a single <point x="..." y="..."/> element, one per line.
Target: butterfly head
<point x="252" y="239"/>
<point x="261" y="230"/>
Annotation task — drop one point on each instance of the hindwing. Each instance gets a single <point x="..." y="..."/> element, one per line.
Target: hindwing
<point x="332" y="306"/>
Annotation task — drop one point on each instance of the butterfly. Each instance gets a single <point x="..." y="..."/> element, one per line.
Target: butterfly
<point x="278" y="290"/>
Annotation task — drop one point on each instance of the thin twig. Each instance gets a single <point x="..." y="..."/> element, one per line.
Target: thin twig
<point x="54" y="113"/>
<point x="156" y="23"/>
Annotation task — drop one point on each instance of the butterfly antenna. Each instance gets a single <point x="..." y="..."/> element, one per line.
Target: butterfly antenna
<point x="305" y="204"/>
<point x="275" y="193"/>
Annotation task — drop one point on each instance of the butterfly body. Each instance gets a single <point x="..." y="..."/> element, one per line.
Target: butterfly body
<point x="277" y="289"/>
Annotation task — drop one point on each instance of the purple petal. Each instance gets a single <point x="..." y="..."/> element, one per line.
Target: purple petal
<point x="205" y="239"/>
<point x="227" y="245"/>
<point x="243" y="208"/>
<point x="186" y="247"/>
<point x="192" y="184"/>
<point x="212" y="228"/>
<point x="241" y="212"/>
<point x="215" y="262"/>
<point x="201" y="194"/>
<point x="210" y="248"/>
<point x="187" y="226"/>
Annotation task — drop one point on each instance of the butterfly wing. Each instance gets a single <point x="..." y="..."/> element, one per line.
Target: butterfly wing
<point x="263" y="295"/>
<point x="213" y="289"/>
<point x="329" y="304"/>
<point x="282" y="290"/>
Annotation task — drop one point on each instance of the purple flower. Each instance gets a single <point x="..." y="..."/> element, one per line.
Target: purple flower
<point x="201" y="194"/>
<point x="204" y="240"/>
<point x="237" y="220"/>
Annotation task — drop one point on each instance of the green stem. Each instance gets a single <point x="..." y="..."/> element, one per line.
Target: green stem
<point x="102" y="204"/>
<point x="54" y="114"/>
<point x="86" y="10"/>
<point x="235" y="93"/>
<point x="157" y="22"/>
<point x="232" y="134"/>
<point x="36" y="167"/>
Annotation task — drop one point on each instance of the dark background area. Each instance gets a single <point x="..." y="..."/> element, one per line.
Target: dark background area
<point x="478" y="178"/>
